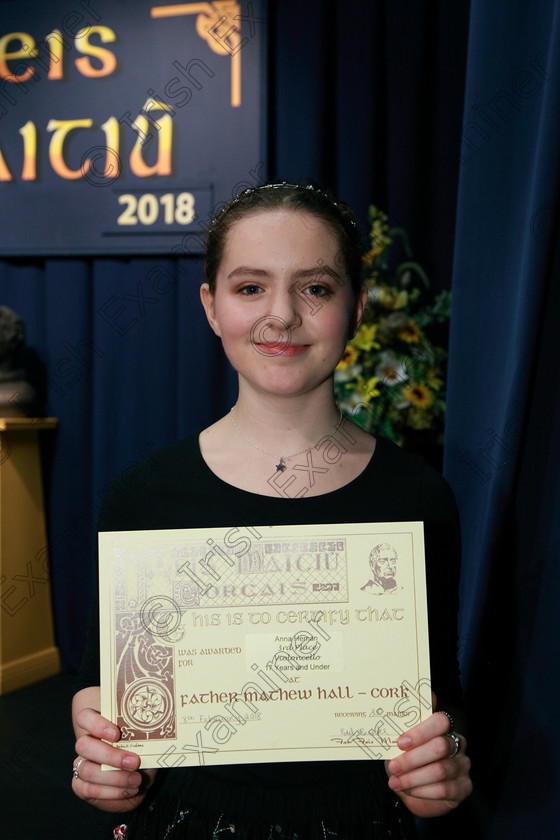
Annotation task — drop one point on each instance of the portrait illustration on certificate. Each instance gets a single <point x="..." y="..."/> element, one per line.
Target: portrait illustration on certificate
<point x="248" y="645"/>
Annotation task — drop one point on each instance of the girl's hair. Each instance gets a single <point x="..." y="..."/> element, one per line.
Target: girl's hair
<point x="307" y="198"/>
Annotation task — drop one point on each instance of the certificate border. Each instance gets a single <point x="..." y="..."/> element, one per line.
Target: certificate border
<point x="414" y="533"/>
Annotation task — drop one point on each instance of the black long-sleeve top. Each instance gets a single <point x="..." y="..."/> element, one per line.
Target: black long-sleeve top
<point x="174" y="488"/>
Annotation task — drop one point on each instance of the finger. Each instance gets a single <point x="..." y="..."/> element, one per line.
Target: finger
<point x="454" y="789"/>
<point x="90" y="771"/>
<point x="436" y="749"/>
<point x="103" y="753"/>
<point x="433" y="774"/>
<point x="92" y="791"/>
<point x="449" y="718"/>
<point x="436" y="724"/>
<point x="96" y="724"/>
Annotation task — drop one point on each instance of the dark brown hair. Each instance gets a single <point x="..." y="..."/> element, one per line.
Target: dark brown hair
<point x="307" y="198"/>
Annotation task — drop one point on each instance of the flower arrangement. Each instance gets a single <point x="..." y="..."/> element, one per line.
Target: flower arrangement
<point x="391" y="378"/>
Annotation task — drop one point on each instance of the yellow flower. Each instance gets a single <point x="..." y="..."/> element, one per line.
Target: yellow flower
<point x="372" y="254"/>
<point x="418" y="395"/>
<point x="349" y="357"/>
<point x="410" y="332"/>
<point x="367" y="387"/>
<point x="379" y="235"/>
<point x="433" y="381"/>
<point x="418" y="419"/>
<point x="392" y="298"/>
<point x="365" y="337"/>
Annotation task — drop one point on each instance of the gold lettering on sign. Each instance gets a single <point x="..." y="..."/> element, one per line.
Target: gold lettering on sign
<point x="219" y="24"/>
<point x="164" y="126"/>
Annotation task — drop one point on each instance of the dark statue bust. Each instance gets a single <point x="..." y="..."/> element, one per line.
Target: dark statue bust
<point x="17" y="397"/>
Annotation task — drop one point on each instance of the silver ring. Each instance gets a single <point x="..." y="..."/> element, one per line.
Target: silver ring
<point x="457" y="741"/>
<point x="451" y="721"/>
<point x="76" y="768"/>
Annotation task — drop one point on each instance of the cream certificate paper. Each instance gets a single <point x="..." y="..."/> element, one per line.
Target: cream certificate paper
<point x="247" y="645"/>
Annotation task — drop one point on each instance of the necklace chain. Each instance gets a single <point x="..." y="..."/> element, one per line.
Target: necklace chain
<point x="281" y="465"/>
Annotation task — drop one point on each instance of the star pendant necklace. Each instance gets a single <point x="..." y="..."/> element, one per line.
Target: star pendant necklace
<point x="281" y="465"/>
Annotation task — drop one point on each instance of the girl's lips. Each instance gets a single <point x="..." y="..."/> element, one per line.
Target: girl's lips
<point x="281" y="349"/>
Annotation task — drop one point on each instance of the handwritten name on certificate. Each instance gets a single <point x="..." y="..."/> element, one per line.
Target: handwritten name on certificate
<point x="247" y="645"/>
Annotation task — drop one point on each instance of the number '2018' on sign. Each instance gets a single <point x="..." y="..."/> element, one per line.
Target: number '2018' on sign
<point x="145" y="209"/>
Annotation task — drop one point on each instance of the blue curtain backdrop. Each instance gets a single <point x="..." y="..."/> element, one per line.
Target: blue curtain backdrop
<point x="502" y="450"/>
<point x="126" y="363"/>
<point x="370" y="99"/>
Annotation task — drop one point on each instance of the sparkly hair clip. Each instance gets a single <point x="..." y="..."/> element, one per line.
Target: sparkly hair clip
<point x="343" y="209"/>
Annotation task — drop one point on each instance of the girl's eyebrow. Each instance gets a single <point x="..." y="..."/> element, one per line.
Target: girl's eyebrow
<point x="245" y="269"/>
<point x="317" y="271"/>
<point x="300" y="274"/>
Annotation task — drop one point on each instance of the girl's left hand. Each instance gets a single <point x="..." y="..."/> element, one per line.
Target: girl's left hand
<point x="425" y="777"/>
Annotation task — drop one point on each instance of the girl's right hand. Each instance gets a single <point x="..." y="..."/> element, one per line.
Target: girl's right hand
<point x="122" y="789"/>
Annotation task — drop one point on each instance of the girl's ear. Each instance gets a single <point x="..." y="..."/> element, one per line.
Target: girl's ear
<point x="207" y="299"/>
<point x="358" y="314"/>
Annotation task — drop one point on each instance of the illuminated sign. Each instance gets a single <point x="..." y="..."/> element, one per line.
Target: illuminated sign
<point x="124" y="125"/>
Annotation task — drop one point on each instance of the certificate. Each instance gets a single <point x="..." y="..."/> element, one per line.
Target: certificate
<point x="248" y="645"/>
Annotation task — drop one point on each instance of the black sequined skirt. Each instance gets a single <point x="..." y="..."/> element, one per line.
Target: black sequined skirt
<point x="190" y="804"/>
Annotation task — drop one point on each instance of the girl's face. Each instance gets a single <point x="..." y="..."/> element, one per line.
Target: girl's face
<point x="283" y="306"/>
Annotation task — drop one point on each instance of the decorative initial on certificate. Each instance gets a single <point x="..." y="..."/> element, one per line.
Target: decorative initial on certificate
<point x="214" y="642"/>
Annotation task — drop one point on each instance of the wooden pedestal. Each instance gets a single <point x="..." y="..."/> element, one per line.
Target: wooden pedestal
<point x="27" y="649"/>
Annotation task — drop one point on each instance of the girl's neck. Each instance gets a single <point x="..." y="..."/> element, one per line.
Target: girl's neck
<point x="283" y="424"/>
<point x="260" y="454"/>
